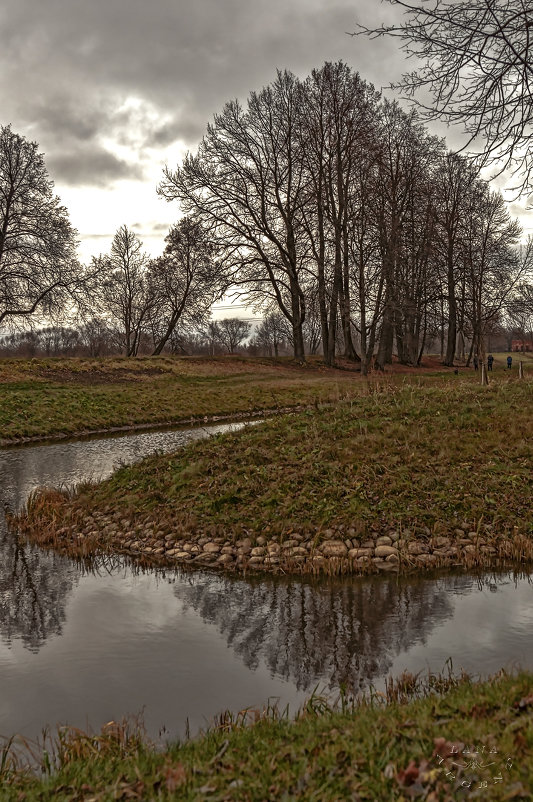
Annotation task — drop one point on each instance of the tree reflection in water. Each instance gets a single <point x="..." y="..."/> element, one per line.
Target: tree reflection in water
<point x="338" y="632"/>
<point x="34" y="588"/>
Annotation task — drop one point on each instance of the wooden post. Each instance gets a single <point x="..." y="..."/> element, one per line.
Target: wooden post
<point x="520" y="370"/>
<point x="484" y="377"/>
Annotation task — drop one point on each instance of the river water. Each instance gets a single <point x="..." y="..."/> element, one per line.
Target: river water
<point x="83" y="647"/>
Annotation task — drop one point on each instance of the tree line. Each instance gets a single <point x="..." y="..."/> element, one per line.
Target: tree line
<point x="332" y="211"/>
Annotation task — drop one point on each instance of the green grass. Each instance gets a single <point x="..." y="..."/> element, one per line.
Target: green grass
<point x="68" y="396"/>
<point x="406" y="456"/>
<point x="56" y="397"/>
<point x="368" y="751"/>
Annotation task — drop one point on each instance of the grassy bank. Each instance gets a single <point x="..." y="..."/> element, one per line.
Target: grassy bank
<point x="458" y="740"/>
<point x="69" y="396"/>
<point x="399" y="476"/>
<point x="53" y="397"/>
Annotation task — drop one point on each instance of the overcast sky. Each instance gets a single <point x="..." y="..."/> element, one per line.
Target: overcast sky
<point x="114" y="89"/>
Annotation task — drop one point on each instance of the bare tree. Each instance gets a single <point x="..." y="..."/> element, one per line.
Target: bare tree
<point x="232" y="332"/>
<point x="184" y="282"/>
<point x="492" y="262"/>
<point x="476" y="68"/>
<point x="247" y="182"/>
<point x="271" y="333"/>
<point x="124" y="292"/>
<point x="211" y="335"/>
<point x="519" y="311"/>
<point x="39" y="271"/>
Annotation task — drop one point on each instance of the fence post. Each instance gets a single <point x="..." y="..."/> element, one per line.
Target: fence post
<point x="484" y="377"/>
<point x="520" y="370"/>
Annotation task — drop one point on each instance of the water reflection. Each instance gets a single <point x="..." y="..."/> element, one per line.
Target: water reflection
<point x="34" y="587"/>
<point x="344" y="633"/>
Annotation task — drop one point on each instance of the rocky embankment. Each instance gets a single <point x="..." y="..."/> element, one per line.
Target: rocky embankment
<point x="332" y="551"/>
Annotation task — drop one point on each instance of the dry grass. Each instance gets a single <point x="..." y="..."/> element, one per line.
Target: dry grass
<point x="417" y="740"/>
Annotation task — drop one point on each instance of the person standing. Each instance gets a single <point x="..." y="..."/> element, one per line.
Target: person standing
<point x="509" y="362"/>
<point x="490" y="360"/>
<point x="476" y="362"/>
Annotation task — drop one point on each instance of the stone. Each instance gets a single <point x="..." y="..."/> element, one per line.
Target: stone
<point x="183" y="555"/>
<point x="333" y="548"/>
<point x="244" y="542"/>
<point x="227" y="550"/>
<point x="441" y="552"/>
<point x="289" y="544"/>
<point x="440" y="542"/>
<point x="387" y="566"/>
<point x="393" y="558"/>
<point x="258" y="551"/>
<point x="384" y="541"/>
<point x="427" y="559"/>
<point x="211" y="548"/>
<point x="394" y="536"/>
<point x="417" y="548"/>
<point x="273" y="548"/>
<point x="367" y="544"/>
<point x="261" y="540"/>
<point x="358" y="553"/>
<point x="255" y="560"/>
<point x="297" y="551"/>
<point x="225" y="558"/>
<point x="470" y="549"/>
<point x="385" y="551"/>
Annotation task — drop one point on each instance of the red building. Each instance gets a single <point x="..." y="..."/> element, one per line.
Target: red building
<point x="522" y="345"/>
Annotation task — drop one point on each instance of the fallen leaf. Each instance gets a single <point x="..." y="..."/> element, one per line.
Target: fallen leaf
<point x="409" y="775"/>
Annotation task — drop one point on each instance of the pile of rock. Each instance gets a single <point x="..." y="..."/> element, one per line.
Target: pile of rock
<point x="332" y="551"/>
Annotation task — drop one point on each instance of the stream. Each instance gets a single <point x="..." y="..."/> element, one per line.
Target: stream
<point x="177" y="648"/>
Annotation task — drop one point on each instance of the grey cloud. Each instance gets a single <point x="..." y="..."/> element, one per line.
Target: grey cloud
<point x="90" y="166"/>
<point x="67" y="67"/>
<point x="157" y="228"/>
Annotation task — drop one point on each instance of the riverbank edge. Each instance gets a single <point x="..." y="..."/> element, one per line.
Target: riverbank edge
<point x="329" y="553"/>
<point x="195" y="421"/>
<point x="428" y="735"/>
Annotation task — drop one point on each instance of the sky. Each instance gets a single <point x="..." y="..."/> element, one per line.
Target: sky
<point x="112" y="90"/>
